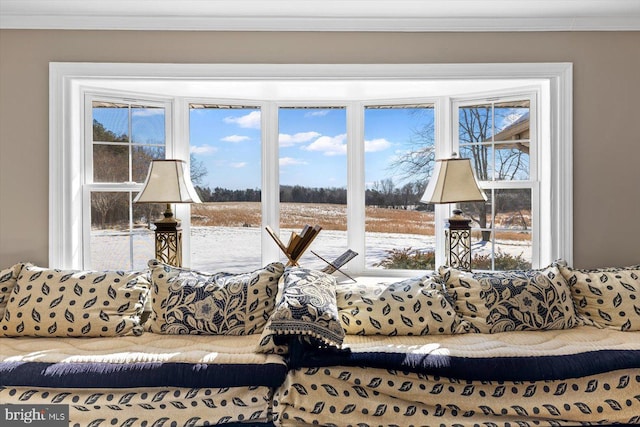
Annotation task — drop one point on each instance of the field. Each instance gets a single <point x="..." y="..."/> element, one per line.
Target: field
<point x="294" y="215"/>
<point x="332" y="217"/>
<point x="227" y="236"/>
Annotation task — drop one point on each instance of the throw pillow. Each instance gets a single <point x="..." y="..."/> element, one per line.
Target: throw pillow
<point x="186" y="301"/>
<point x="57" y="303"/>
<point x="415" y="306"/>
<point x="8" y="279"/>
<point x="307" y="308"/>
<point x="522" y="300"/>
<point x="608" y="297"/>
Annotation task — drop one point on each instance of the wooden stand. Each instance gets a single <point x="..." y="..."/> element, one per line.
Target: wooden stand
<point x="298" y="243"/>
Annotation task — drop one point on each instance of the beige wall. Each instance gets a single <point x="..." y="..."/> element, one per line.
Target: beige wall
<point x="606" y="110"/>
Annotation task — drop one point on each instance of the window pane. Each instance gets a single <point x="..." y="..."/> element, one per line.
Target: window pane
<point x="481" y="156"/>
<point x="141" y="157"/>
<point x="225" y="144"/>
<point x="512" y="140"/>
<point x="110" y="122"/>
<point x="110" y="163"/>
<point x="115" y="159"/>
<point x="496" y="138"/>
<point x="501" y="233"/>
<point x="147" y="125"/>
<point x="475" y="123"/>
<point x="118" y="239"/>
<point x="120" y="236"/>
<point x="313" y="179"/>
<point x="399" y="156"/>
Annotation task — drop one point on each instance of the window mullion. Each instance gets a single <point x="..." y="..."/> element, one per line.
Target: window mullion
<point x="356" y="185"/>
<point x="270" y="180"/>
<point x="446" y="144"/>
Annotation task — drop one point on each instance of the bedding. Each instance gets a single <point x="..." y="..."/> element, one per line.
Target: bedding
<point x="306" y="310"/>
<point x="362" y="396"/>
<point x="61" y="303"/>
<point x="150" y="360"/>
<point x="518" y="300"/>
<point x="155" y="406"/>
<point x="557" y="377"/>
<point x="416" y="306"/>
<point x="186" y="301"/>
<point x="606" y="297"/>
<point x="190" y="380"/>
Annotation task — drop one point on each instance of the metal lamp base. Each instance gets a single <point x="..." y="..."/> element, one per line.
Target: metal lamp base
<point x="458" y="242"/>
<point x="169" y="242"/>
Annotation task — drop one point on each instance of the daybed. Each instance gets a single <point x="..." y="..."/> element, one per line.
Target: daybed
<point x="556" y="346"/>
<point x="77" y="339"/>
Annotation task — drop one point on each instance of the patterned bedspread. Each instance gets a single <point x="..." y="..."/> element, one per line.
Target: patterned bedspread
<point x="583" y="376"/>
<point x="149" y="360"/>
<point x="146" y="380"/>
<point x="515" y="356"/>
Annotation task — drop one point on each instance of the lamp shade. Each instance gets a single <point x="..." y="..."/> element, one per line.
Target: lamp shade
<point x="168" y="182"/>
<point x="453" y="181"/>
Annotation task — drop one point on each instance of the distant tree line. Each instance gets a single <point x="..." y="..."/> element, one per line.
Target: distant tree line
<point x="383" y="193"/>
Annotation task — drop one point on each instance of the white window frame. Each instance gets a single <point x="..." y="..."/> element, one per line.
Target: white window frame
<point x="88" y="184"/>
<point x="69" y="82"/>
<point x="539" y="241"/>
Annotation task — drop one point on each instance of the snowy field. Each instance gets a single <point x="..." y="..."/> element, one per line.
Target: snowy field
<point x="237" y="249"/>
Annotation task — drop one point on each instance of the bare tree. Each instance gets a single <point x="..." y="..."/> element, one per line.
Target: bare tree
<point x="490" y="161"/>
<point x="416" y="161"/>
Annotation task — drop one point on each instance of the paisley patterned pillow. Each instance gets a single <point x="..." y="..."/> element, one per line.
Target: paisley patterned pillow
<point x="608" y="297"/>
<point x="307" y="308"/>
<point x="512" y="300"/>
<point x="57" y="303"/>
<point x="416" y="306"/>
<point x="8" y="279"/>
<point x="186" y="301"/>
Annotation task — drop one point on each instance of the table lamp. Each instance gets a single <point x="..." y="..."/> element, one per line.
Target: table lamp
<point x="453" y="181"/>
<point x="168" y="182"/>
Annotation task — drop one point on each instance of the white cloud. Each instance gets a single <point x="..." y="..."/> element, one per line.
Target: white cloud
<point x="329" y="146"/>
<point x="287" y="140"/>
<point x="238" y="165"/>
<point x="373" y="145"/>
<point x="251" y="120"/>
<point x="147" y="112"/>
<point x="290" y="161"/>
<point x="317" y="113"/>
<point x="235" y="138"/>
<point x="203" y="149"/>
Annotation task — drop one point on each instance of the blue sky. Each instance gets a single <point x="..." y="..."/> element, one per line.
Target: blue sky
<point x="312" y="142"/>
<point x="312" y="145"/>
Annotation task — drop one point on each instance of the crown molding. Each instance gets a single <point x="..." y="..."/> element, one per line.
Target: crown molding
<point x="323" y="15"/>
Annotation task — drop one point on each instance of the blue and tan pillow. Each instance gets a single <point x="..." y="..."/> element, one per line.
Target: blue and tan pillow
<point x="416" y="306"/>
<point x="306" y="309"/>
<point x="58" y="303"/>
<point x="186" y="301"/>
<point x="606" y="297"/>
<point x="522" y="300"/>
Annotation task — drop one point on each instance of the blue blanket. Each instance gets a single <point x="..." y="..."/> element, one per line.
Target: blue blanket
<point x="537" y="368"/>
<point x="135" y="375"/>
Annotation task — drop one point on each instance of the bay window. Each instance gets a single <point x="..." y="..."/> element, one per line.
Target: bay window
<point x="350" y="154"/>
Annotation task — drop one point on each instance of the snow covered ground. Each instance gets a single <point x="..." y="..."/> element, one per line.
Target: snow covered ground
<point x="237" y="249"/>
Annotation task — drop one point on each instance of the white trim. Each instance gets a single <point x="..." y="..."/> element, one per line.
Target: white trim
<point x="66" y="79"/>
<point x="324" y="15"/>
<point x="561" y="106"/>
<point x="356" y="186"/>
<point x="270" y="180"/>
